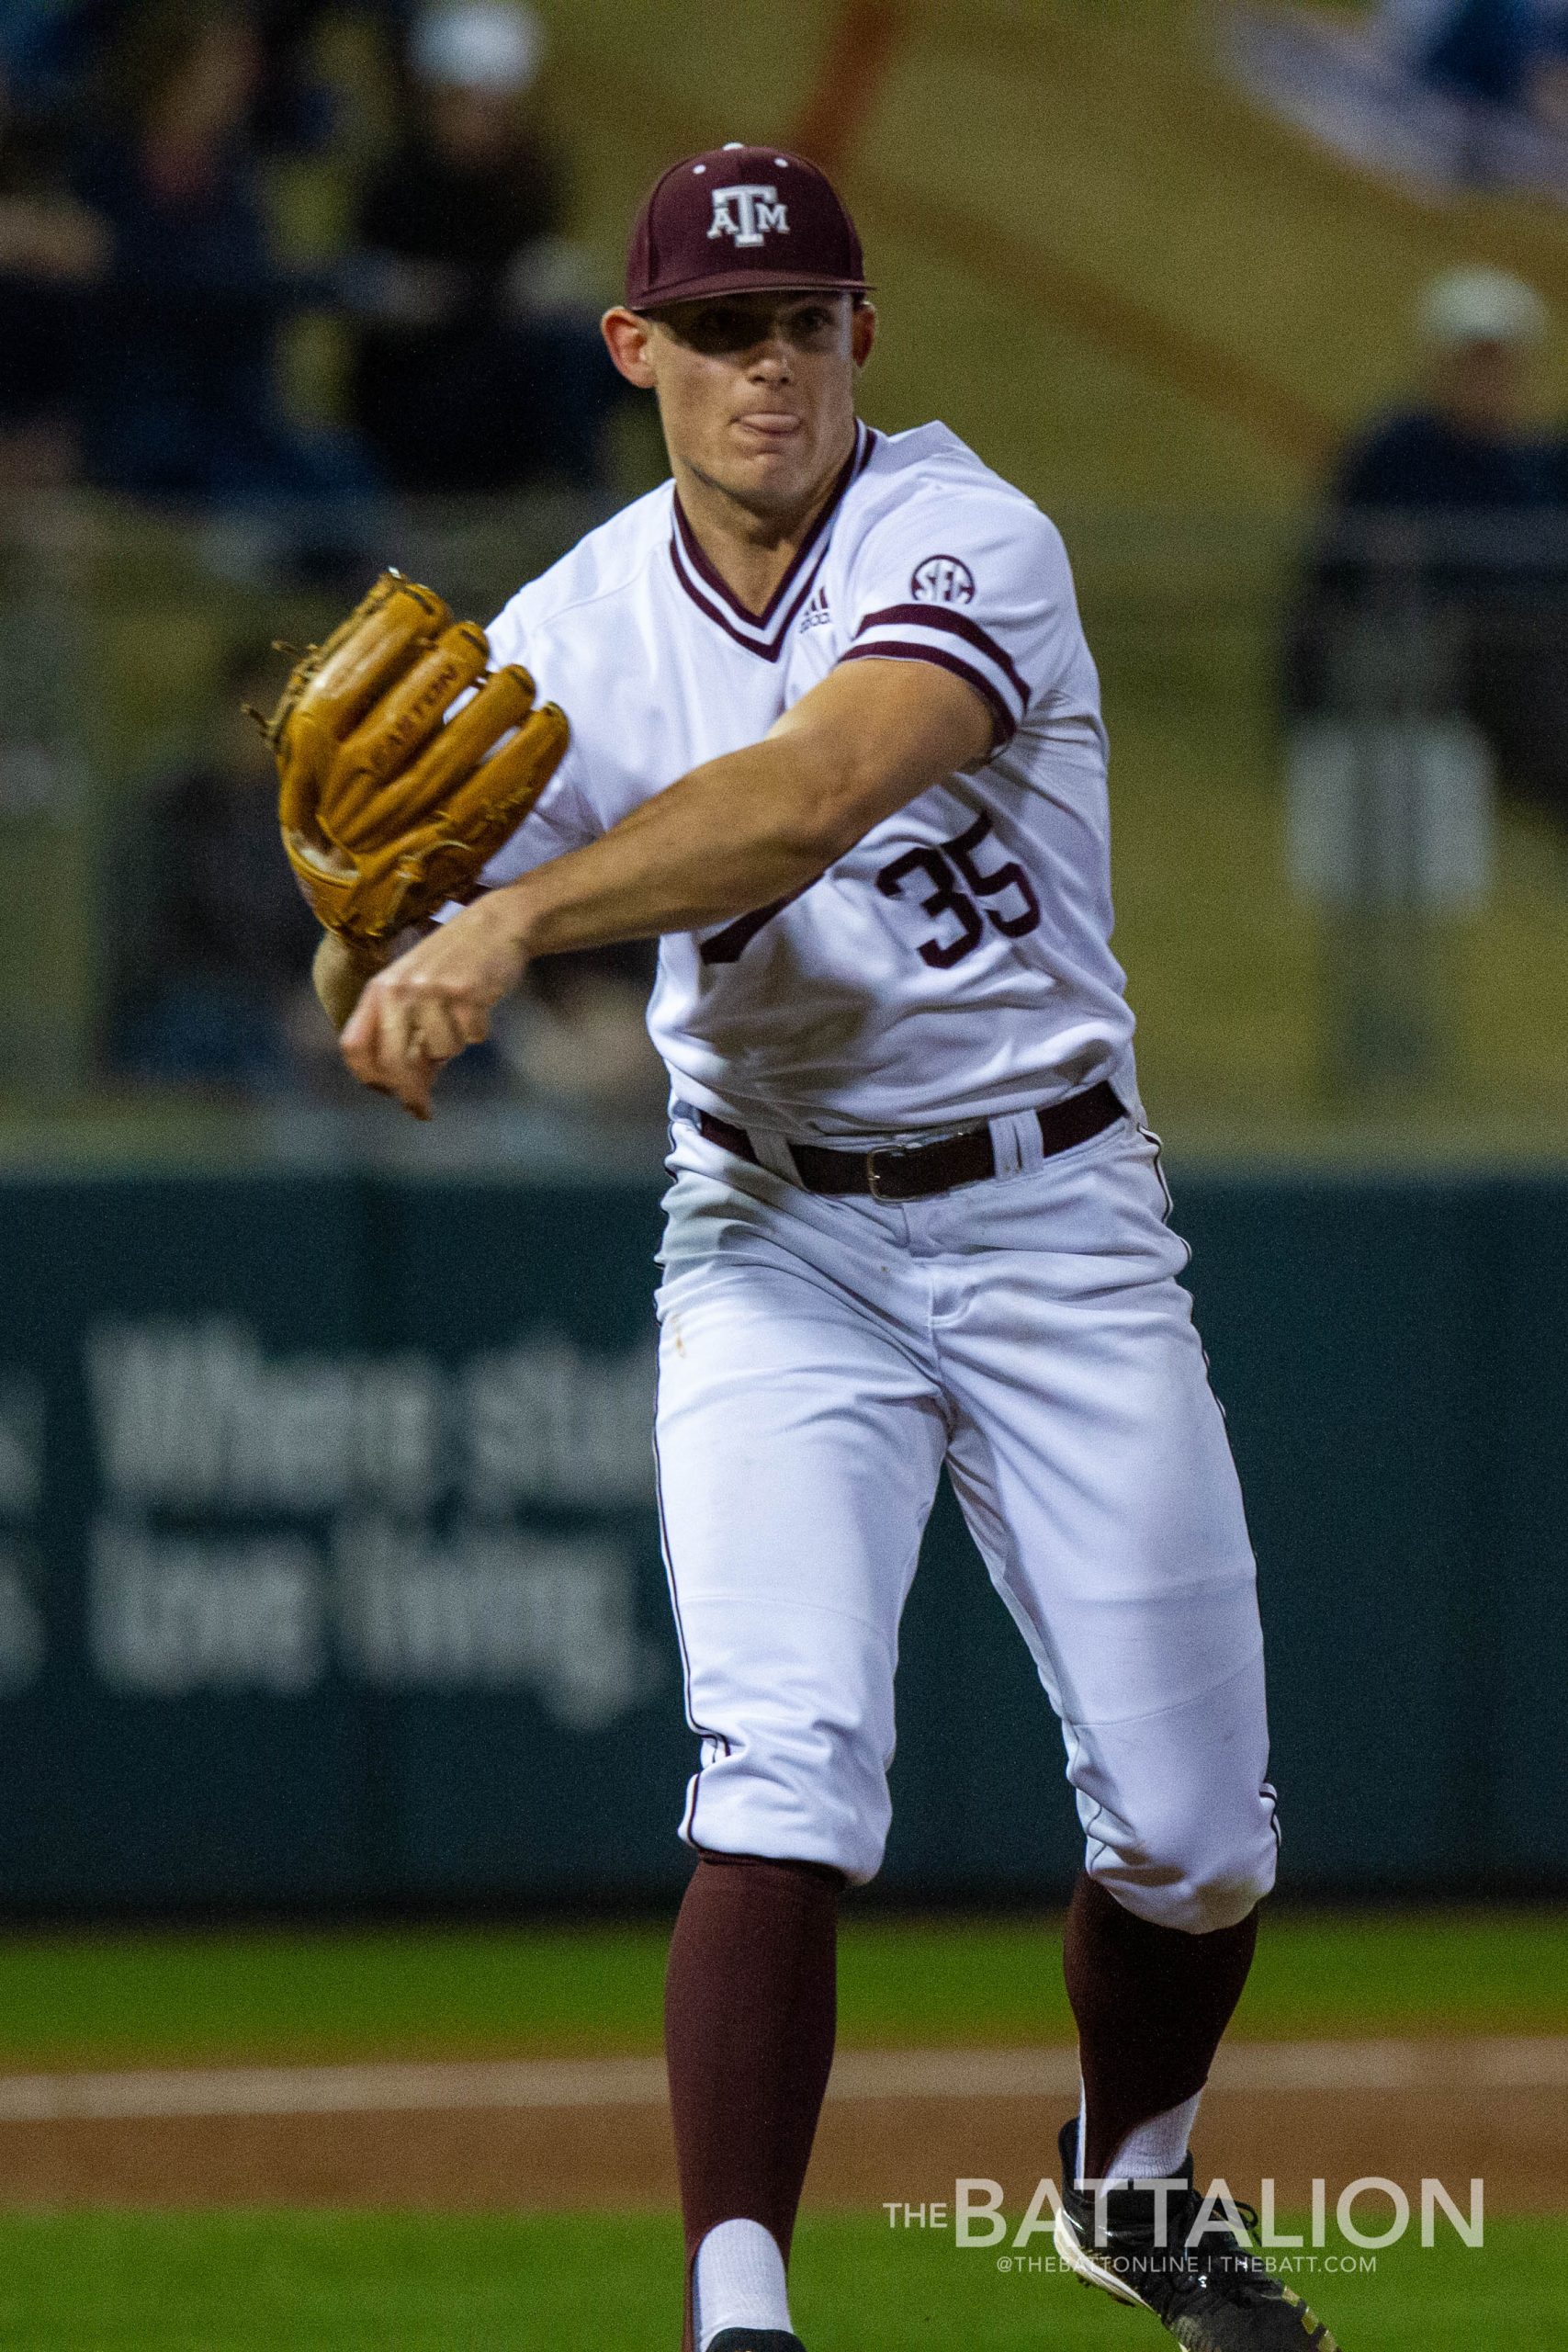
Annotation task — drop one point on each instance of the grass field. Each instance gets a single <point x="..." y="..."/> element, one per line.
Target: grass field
<point x="163" y="1998"/>
<point x="297" y="2282"/>
<point x="236" y="2281"/>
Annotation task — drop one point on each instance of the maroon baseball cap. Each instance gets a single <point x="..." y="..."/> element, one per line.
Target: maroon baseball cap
<point x="737" y="220"/>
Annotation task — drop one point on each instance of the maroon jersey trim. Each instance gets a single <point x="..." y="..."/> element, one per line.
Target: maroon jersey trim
<point x="901" y="649"/>
<point x="957" y="625"/>
<point x="762" y="633"/>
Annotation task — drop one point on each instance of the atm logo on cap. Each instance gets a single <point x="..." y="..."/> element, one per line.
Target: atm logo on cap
<point x="747" y="213"/>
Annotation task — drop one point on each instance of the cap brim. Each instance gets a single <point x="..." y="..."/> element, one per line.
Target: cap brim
<point x="750" y="281"/>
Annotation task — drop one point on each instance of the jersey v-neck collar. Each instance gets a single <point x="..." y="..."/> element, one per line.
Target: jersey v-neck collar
<point x="763" y="633"/>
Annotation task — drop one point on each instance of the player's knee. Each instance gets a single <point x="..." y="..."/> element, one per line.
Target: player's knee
<point x="824" y="1802"/>
<point x="1222" y="1899"/>
<point x="1195" y="1902"/>
<point x="1208" y="1878"/>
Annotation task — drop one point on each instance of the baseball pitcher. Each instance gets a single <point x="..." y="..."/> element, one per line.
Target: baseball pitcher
<point x="835" y="741"/>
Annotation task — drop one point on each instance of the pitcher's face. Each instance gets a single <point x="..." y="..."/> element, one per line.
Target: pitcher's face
<point x="755" y="391"/>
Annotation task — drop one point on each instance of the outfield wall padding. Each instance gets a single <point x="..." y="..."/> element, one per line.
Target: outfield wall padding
<point x="330" y="1569"/>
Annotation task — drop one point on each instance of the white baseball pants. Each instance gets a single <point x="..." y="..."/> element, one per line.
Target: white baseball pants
<point x="820" y="1359"/>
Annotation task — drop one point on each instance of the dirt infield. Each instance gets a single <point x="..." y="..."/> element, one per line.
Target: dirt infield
<point x="901" y="2126"/>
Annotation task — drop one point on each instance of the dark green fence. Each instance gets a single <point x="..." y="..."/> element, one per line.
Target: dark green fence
<point x="329" y="1568"/>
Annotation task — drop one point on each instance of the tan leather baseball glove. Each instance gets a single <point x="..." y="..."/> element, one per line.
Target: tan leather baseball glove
<point x="389" y="808"/>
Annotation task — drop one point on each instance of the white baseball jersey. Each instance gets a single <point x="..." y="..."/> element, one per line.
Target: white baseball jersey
<point x="955" y="965"/>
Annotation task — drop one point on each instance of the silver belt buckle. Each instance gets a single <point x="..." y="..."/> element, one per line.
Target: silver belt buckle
<point x="874" y="1174"/>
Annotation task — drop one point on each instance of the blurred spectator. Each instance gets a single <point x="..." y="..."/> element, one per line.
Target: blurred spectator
<point x="51" y="248"/>
<point x="1499" y="64"/>
<point x="1468" y="442"/>
<point x="1483" y="51"/>
<point x="48" y="49"/>
<point x="1443" y="92"/>
<point x="1450" y="518"/>
<point x="295" y="108"/>
<point x="179" y="396"/>
<point x="213" y="940"/>
<point x="480" y="366"/>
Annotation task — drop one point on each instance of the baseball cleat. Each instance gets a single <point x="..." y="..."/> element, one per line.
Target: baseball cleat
<point x="748" y="2339"/>
<point x="1214" y="2295"/>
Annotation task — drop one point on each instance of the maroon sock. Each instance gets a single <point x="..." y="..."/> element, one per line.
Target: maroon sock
<point x="750" y="2008"/>
<point x="1151" y="2004"/>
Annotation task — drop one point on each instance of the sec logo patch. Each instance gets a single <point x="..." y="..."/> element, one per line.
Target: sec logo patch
<point x="942" y="580"/>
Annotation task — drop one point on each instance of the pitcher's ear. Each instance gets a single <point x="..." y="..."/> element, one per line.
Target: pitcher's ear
<point x="627" y="336"/>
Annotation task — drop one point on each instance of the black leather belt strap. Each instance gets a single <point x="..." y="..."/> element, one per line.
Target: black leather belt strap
<point x="915" y="1171"/>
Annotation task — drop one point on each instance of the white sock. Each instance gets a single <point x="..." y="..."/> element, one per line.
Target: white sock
<point x="1152" y="2151"/>
<point x="738" y="2282"/>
